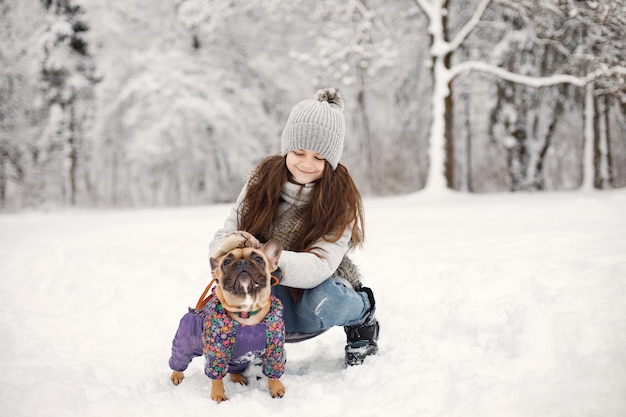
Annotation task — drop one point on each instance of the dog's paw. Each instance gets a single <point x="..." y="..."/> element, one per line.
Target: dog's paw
<point x="277" y="389"/>
<point x="218" y="398"/>
<point x="217" y="391"/>
<point x="239" y="379"/>
<point x="177" y="377"/>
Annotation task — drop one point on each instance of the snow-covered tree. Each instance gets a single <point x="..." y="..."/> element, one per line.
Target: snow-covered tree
<point x="12" y="106"/>
<point x="528" y="69"/>
<point x="353" y="47"/>
<point x="551" y="38"/>
<point x="20" y="124"/>
<point x="194" y="110"/>
<point x="66" y="81"/>
<point x="595" y="35"/>
<point x="525" y="118"/>
<point x="193" y="93"/>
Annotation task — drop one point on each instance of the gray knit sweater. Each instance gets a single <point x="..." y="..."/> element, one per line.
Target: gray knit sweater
<point x="300" y="269"/>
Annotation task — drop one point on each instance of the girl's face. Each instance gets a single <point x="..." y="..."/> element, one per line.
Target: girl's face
<point x="305" y="166"/>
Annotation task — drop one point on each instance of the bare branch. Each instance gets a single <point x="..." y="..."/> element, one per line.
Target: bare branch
<point x="534" y="81"/>
<point x="367" y="13"/>
<point x="469" y="26"/>
<point x="426" y="8"/>
<point x="516" y="78"/>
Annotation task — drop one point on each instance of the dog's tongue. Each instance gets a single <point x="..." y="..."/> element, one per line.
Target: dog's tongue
<point x="244" y="314"/>
<point x="244" y="279"/>
<point x="244" y="275"/>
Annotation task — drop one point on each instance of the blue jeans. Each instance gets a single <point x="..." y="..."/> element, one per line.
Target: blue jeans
<point x="329" y="304"/>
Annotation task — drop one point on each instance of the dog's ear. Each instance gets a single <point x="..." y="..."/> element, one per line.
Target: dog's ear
<point x="214" y="264"/>
<point x="272" y="249"/>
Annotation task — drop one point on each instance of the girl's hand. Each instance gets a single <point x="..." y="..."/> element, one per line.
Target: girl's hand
<point x="237" y="239"/>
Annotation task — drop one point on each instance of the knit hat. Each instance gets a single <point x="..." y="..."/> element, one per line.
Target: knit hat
<point x="318" y="125"/>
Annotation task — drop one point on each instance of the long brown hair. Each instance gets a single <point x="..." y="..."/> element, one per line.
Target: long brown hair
<point x="335" y="205"/>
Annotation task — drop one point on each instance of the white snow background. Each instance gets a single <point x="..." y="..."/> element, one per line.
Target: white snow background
<point x="490" y="305"/>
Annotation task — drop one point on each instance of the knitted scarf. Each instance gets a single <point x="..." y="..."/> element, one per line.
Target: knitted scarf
<point x="285" y="227"/>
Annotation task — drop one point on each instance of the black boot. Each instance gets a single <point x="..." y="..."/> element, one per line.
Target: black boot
<point x="363" y="338"/>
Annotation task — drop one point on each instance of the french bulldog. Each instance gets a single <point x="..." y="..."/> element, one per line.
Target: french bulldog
<point x="241" y="322"/>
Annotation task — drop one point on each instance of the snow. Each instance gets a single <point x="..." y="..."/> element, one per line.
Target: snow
<point x="497" y="305"/>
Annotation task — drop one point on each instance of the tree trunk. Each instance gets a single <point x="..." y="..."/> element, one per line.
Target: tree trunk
<point x="466" y="178"/>
<point x="589" y="135"/>
<point x="73" y="153"/>
<point x="448" y="109"/>
<point x="598" y="126"/>
<point x="539" y="177"/>
<point x="608" y="153"/>
<point x="602" y="167"/>
<point x="367" y="136"/>
<point x="3" y="180"/>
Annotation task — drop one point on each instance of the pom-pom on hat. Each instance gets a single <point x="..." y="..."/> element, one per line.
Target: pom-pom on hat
<point x="318" y="125"/>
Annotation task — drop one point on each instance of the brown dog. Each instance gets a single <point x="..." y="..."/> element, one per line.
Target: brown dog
<point x="245" y="308"/>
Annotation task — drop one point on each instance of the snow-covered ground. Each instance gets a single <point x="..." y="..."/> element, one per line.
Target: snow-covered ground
<point x="493" y="305"/>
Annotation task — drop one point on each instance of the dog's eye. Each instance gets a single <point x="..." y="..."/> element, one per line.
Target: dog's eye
<point x="228" y="260"/>
<point x="258" y="259"/>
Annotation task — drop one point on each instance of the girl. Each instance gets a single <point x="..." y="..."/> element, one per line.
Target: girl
<point x="306" y="198"/>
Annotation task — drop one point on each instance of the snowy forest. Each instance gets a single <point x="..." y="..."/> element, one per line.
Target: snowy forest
<point x="117" y="103"/>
